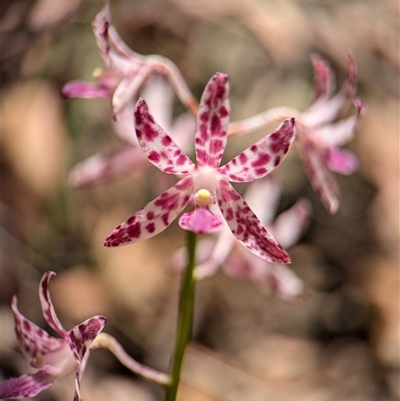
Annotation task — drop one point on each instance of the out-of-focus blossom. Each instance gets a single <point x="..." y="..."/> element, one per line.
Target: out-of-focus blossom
<point x="222" y="250"/>
<point x="52" y="356"/>
<point x="206" y="184"/>
<point x="126" y="70"/>
<point x="319" y="135"/>
<point x="130" y="158"/>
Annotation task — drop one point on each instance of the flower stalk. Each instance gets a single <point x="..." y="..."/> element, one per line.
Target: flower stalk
<point x="185" y="318"/>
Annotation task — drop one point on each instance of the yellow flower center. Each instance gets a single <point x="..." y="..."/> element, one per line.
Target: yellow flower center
<point x="97" y="73"/>
<point x="203" y="198"/>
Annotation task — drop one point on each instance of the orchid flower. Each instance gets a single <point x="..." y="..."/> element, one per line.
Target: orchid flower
<point x="53" y="357"/>
<point x="222" y="249"/>
<point x="206" y="185"/>
<point x="319" y="136"/>
<point x="130" y="159"/>
<point x="126" y="70"/>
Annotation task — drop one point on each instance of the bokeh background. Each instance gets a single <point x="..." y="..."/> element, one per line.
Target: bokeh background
<point x="341" y="341"/>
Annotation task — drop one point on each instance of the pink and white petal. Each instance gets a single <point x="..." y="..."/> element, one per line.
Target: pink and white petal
<point x="182" y="131"/>
<point x="33" y="340"/>
<point x="320" y="113"/>
<point x="157" y="145"/>
<point x="321" y="180"/>
<point x="262" y="196"/>
<point x="127" y="90"/>
<point x="341" y="132"/>
<point x="261" y="158"/>
<point x="289" y="225"/>
<point x="323" y="78"/>
<point x="155" y="217"/>
<point x="78" y="376"/>
<point x="101" y="168"/>
<point x="25" y="386"/>
<point x="213" y="121"/>
<point x="100" y="27"/>
<point x="159" y="96"/>
<point x="47" y="306"/>
<point x="200" y="221"/>
<point x="281" y="281"/>
<point x="217" y="258"/>
<point x="80" y="338"/>
<point x="246" y="227"/>
<point x="85" y="90"/>
<point x="341" y="161"/>
<point x="124" y="127"/>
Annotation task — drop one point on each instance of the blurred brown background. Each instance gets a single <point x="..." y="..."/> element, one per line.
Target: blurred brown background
<point x="341" y="342"/>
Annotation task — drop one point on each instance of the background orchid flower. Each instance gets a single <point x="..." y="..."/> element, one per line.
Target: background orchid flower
<point x="52" y="356"/>
<point x="130" y="158"/>
<point x="223" y="251"/>
<point x="319" y="135"/>
<point x="206" y="185"/>
<point x="126" y="70"/>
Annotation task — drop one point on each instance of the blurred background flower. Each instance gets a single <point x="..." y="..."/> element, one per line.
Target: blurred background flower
<point x="341" y="342"/>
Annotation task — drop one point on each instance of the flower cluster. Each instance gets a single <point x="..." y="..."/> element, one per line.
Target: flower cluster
<point x="141" y="89"/>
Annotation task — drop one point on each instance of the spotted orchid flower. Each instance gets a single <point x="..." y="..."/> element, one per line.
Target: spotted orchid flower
<point x="126" y="70"/>
<point x="130" y="159"/>
<point x="318" y="135"/>
<point x="222" y="250"/>
<point x="53" y="357"/>
<point x="206" y="185"/>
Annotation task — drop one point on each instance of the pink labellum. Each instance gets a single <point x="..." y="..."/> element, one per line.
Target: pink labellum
<point x="341" y="161"/>
<point x="200" y="221"/>
<point x="84" y="90"/>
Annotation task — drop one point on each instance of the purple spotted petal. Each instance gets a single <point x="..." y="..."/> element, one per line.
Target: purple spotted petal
<point x="212" y="121"/>
<point x="78" y="377"/>
<point x="155" y="217"/>
<point x="322" y="112"/>
<point x="33" y="340"/>
<point x="246" y="227"/>
<point x="25" y="386"/>
<point x="101" y="168"/>
<point x="341" y="161"/>
<point x="84" y="90"/>
<point x="200" y="221"/>
<point x="47" y="306"/>
<point x="323" y="78"/>
<point x="157" y="145"/>
<point x="81" y="337"/>
<point x="261" y="158"/>
<point x="321" y="180"/>
<point x="289" y="225"/>
<point x="341" y="132"/>
<point x="128" y="89"/>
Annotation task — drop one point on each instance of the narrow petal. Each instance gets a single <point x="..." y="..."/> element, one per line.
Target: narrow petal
<point x="127" y="90"/>
<point x="102" y="168"/>
<point x="200" y="221"/>
<point x="47" y="306"/>
<point x="321" y="180"/>
<point x="25" y="386"/>
<point x="212" y="121"/>
<point x="289" y="225"/>
<point x="341" y="132"/>
<point x="81" y="337"/>
<point x="246" y="227"/>
<point x="320" y="113"/>
<point x="342" y="161"/>
<point x="33" y="340"/>
<point x="78" y="377"/>
<point x="323" y="78"/>
<point x="220" y="252"/>
<point x="157" y="145"/>
<point x="85" y="90"/>
<point x="262" y="196"/>
<point x="155" y="217"/>
<point x="261" y="158"/>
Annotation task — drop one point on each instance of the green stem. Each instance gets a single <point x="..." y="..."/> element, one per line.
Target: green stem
<point x="185" y="318"/>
